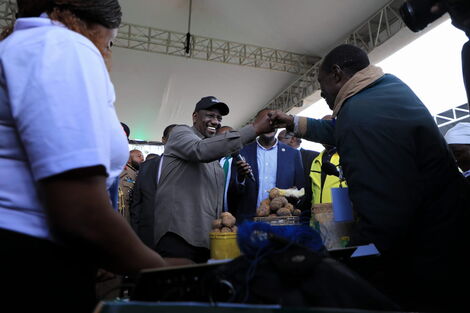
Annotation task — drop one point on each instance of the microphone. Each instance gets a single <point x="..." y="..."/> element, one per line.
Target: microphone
<point x="238" y="157"/>
<point x="329" y="169"/>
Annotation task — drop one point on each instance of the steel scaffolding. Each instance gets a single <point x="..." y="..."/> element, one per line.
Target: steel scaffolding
<point x="375" y="31"/>
<point x="151" y="39"/>
<point x="7" y="13"/>
<point x="452" y="116"/>
<point x="156" y="40"/>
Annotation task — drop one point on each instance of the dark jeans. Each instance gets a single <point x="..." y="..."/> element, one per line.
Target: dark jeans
<point x="40" y="276"/>
<point x="173" y="246"/>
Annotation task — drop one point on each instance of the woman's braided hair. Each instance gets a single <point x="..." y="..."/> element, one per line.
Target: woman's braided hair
<point x="105" y="12"/>
<point x="77" y="15"/>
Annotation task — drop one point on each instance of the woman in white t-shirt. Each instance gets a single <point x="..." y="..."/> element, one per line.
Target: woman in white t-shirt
<point x="61" y="146"/>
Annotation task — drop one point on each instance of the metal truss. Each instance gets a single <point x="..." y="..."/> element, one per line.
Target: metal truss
<point x="452" y="116"/>
<point x="447" y="119"/>
<point x="375" y="31"/>
<point x="150" y="39"/>
<point x="7" y="13"/>
<point x="156" y="40"/>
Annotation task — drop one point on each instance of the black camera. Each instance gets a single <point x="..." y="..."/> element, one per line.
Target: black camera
<point x="417" y="14"/>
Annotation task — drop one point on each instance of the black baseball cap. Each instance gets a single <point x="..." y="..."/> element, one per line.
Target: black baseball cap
<point x="126" y="129"/>
<point x="211" y="102"/>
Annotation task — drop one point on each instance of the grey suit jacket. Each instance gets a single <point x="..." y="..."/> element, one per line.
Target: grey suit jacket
<point x="191" y="187"/>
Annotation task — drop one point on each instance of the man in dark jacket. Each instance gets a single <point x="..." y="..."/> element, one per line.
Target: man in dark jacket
<point x="143" y="201"/>
<point x="403" y="182"/>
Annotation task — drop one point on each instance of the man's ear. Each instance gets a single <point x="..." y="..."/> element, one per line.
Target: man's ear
<point x="194" y="117"/>
<point x="337" y="72"/>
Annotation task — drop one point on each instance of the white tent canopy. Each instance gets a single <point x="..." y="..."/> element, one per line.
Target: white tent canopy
<point x="155" y="90"/>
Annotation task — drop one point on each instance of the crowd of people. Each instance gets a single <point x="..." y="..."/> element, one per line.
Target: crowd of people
<point x="83" y="207"/>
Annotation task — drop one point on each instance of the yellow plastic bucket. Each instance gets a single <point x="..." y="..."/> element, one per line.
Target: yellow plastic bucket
<point x="224" y="246"/>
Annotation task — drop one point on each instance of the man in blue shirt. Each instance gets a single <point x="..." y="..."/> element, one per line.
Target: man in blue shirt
<point x="273" y="164"/>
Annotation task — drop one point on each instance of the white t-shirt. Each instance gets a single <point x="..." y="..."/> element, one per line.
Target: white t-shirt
<point x="56" y="114"/>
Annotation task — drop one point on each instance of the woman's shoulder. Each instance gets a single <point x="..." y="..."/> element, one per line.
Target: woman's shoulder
<point x="65" y="38"/>
<point x="46" y="41"/>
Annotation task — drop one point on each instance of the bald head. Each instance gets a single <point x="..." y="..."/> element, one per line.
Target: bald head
<point x="135" y="158"/>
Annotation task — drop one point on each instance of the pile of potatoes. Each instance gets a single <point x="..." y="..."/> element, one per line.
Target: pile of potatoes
<point x="276" y="205"/>
<point x="224" y="224"/>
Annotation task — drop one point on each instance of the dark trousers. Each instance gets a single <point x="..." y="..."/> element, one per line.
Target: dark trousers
<point x="173" y="246"/>
<point x="40" y="276"/>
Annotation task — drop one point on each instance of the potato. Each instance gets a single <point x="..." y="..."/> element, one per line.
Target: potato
<point x="283" y="212"/>
<point x="226" y="230"/>
<point x="290" y="207"/>
<point x="274" y="193"/>
<point x="228" y="219"/>
<point x="273" y="215"/>
<point x="217" y="223"/>
<point x="278" y="203"/>
<point x="296" y="212"/>
<point x="234" y="228"/>
<point x="216" y="230"/>
<point x="265" y="202"/>
<point x="263" y="209"/>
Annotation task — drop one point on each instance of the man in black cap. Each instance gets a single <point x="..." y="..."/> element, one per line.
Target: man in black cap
<point x="191" y="186"/>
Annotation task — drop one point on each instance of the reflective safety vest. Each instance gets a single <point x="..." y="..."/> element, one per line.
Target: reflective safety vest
<point x="322" y="183"/>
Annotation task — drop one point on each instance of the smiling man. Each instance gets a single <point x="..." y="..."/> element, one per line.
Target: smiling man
<point x="191" y="186"/>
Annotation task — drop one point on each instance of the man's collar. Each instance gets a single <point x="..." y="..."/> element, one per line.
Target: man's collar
<point x="261" y="146"/>
<point x="356" y="84"/>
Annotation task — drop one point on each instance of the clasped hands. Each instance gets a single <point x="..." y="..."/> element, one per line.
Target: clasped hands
<point x="268" y="121"/>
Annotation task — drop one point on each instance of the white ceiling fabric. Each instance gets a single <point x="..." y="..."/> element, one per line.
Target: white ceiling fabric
<point x="155" y="90"/>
